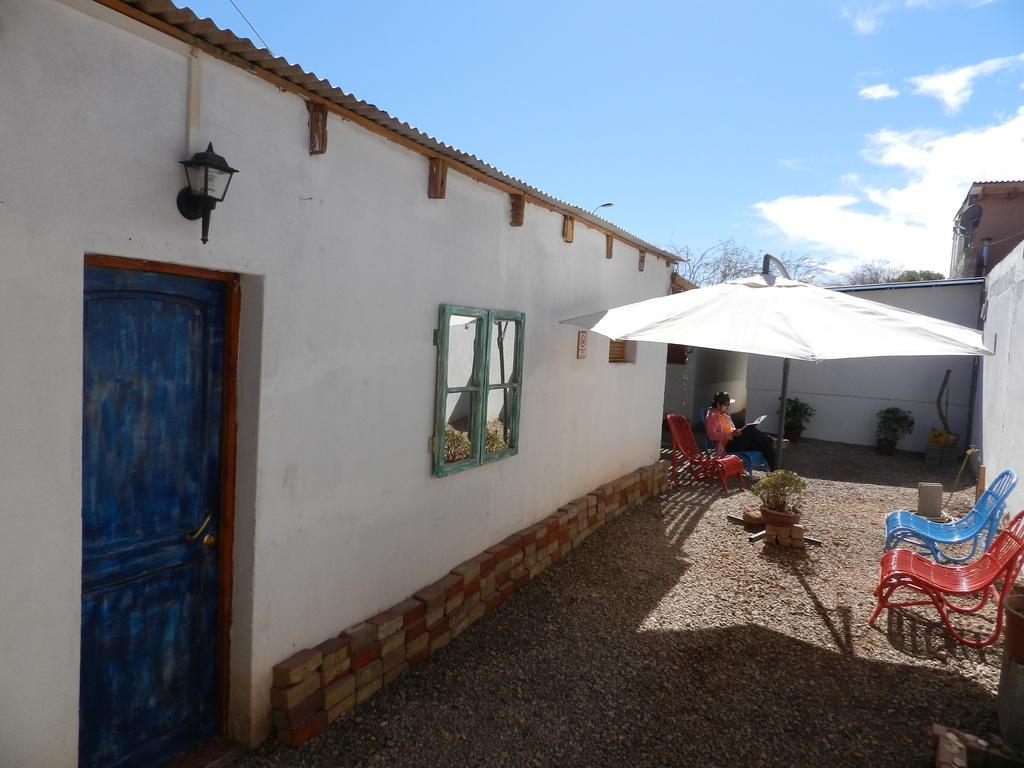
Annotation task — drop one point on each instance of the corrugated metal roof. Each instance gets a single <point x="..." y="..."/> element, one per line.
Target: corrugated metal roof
<point x="1019" y="181"/>
<point x="246" y="54"/>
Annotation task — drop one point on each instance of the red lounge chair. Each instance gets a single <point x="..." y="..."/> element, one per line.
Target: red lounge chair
<point x="902" y="568"/>
<point x="694" y="464"/>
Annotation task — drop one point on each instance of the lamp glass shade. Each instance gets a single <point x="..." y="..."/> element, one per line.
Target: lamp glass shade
<point x="196" y="175"/>
<point x="208" y="175"/>
<point x="217" y="183"/>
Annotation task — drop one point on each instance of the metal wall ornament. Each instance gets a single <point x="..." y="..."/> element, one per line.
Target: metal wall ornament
<point x="208" y="176"/>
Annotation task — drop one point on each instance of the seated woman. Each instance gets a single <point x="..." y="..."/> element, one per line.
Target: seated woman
<point x="727" y="439"/>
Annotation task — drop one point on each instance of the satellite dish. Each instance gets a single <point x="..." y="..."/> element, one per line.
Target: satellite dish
<point x="968" y="221"/>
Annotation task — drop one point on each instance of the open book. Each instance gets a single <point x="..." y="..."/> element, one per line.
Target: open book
<point x="755" y="422"/>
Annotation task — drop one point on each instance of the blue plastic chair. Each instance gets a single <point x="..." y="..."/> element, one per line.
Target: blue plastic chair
<point x="751" y="459"/>
<point x="905" y="529"/>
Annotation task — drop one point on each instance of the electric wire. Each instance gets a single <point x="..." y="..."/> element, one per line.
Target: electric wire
<point x="251" y="26"/>
<point x="1008" y="237"/>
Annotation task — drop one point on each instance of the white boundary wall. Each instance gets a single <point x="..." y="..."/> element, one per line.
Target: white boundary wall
<point x="344" y="263"/>
<point x="1003" y="383"/>
<point x="847" y="394"/>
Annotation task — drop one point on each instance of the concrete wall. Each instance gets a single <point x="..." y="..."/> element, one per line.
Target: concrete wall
<point x="1003" y="381"/>
<point x="847" y="394"/>
<point x="689" y="388"/>
<point x="344" y="263"/>
<point x="680" y="381"/>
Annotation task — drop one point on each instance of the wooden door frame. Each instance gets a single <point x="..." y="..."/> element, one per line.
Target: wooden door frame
<point x="228" y="450"/>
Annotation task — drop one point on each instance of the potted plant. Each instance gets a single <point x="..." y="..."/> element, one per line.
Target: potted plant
<point x="798" y="413"/>
<point x="893" y="424"/>
<point x="780" y="493"/>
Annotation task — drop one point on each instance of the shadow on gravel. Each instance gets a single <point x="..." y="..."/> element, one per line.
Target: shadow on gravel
<point x="563" y="675"/>
<point x="748" y="695"/>
<point x="688" y="506"/>
<point x="845" y="463"/>
<point x="919" y="632"/>
<point x="838" y="622"/>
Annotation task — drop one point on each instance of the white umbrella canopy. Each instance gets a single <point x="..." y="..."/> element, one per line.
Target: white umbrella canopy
<point x="768" y="315"/>
<point x="779" y="317"/>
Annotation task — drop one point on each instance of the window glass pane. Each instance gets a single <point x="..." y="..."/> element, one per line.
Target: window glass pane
<point x="461" y="350"/>
<point x="503" y="351"/>
<point x="458" y="426"/>
<point x="500" y="405"/>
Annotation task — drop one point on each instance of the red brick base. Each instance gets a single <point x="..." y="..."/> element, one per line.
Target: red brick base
<point x="355" y="665"/>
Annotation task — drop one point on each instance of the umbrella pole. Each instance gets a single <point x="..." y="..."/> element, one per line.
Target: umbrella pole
<point x="766" y="267"/>
<point x="782" y="413"/>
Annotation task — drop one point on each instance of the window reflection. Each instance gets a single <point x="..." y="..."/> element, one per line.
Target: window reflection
<point x="462" y="350"/>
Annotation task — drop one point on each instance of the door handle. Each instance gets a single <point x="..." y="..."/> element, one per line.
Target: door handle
<point x="195" y="534"/>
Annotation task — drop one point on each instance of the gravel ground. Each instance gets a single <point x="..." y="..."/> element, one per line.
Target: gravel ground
<point x="667" y="639"/>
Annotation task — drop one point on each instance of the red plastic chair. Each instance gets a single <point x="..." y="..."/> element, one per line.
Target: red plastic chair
<point x="903" y="569"/>
<point x="692" y="463"/>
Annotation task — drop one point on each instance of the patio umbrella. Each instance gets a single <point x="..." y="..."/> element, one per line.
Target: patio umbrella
<point x="775" y="316"/>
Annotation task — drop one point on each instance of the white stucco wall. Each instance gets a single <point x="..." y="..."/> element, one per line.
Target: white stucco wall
<point x="847" y="394"/>
<point x="1003" y="381"/>
<point x="344" y="263"/>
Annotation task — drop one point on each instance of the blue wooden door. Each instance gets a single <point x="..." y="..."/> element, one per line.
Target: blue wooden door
<point x="151" y="428"/>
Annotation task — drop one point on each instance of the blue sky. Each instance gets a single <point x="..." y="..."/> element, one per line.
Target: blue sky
<point x="847" y="130"/>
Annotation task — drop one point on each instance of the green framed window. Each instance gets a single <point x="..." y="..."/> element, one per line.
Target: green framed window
<point x="479" y="387"/>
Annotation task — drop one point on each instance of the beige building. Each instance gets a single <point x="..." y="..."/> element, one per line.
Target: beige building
<point x="989" y="224"/>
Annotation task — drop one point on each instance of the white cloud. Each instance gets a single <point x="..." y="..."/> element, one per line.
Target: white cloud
<point x="878" y="92"/>
<point x="908" y="223"/>
<point x="955" y="87"/>
<point x="838" y="267"/>
<point x="865" y="17"/>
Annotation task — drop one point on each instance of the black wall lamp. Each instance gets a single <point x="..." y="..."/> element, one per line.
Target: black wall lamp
<point x="208" y="177"/>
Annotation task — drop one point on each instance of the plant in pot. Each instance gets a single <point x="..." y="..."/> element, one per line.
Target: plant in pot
<point x="798" y="413"/>
<point x="893" y="424"/>
<point x="780" y="492"/>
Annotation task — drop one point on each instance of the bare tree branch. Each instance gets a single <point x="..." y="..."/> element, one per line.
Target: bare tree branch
<point x="804" y="268"/>
<point x="874" y="272"/>
<point x="727" y="261"/>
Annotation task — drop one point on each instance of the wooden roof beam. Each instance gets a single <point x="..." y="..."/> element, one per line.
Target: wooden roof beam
<point x="317" y="128"/>
<point x="437" y="179"/>
<point x="518" y="210"/>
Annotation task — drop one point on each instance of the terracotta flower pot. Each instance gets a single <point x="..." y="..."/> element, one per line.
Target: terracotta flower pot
<point x="886" y="447"/>
<point x="774" y="517"/>
<point x="793" y="435"/>
<point x="1013" y="631"/>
